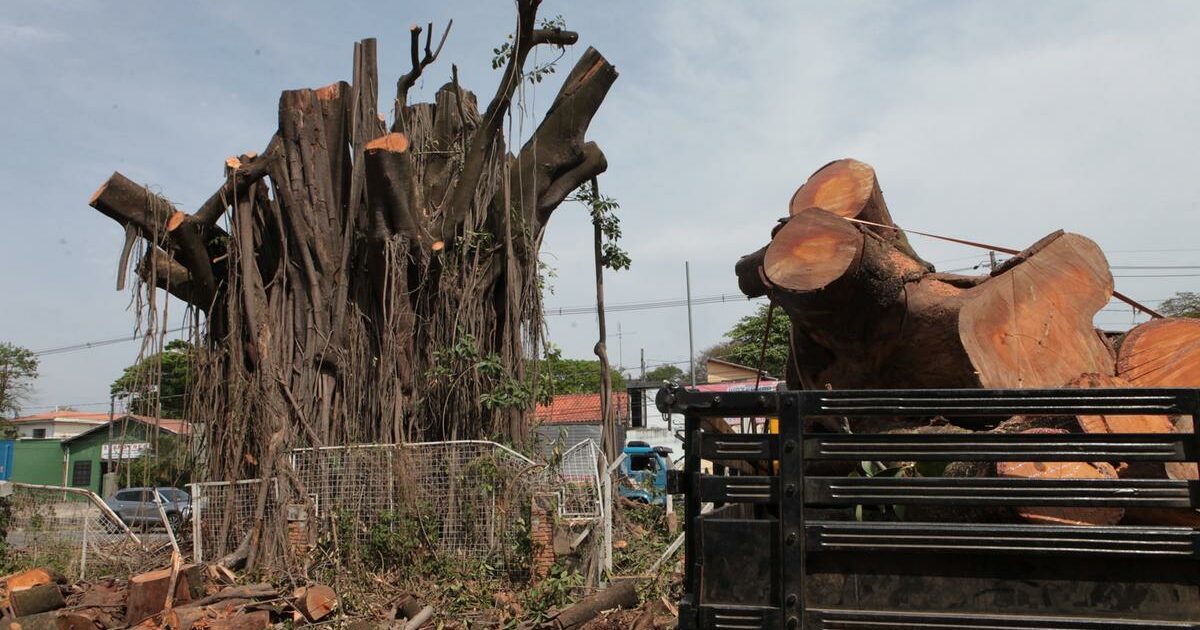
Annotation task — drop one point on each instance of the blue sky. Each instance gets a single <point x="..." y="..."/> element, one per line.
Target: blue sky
<point x="992" y="121"/>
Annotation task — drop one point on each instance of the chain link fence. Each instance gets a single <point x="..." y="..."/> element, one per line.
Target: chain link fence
<point x="74" y="532"/>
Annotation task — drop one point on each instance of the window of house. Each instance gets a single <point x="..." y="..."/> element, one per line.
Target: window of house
<point x="81" y="473"/>
<point x="39" y="433"/>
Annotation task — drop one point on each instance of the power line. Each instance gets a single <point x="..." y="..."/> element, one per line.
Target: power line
<point x="642" y="306"/>
<point x="86" y="345"/>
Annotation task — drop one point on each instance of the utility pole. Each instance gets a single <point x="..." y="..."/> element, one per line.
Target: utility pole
<point x="687" y="276"/>
<point x="643" y="365"/>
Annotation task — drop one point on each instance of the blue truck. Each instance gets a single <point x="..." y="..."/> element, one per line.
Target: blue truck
<point x="645" y="471"/>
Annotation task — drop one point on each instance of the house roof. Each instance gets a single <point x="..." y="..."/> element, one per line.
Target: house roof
<point x="577" y="408"/>
<point x="170" y="425"/>
<point x="729" y="363"/>
<point x="63" y="414"/>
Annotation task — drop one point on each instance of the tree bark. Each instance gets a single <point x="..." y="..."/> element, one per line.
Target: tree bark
<point x="622" y="594"/>
<point x="355" y="259"/>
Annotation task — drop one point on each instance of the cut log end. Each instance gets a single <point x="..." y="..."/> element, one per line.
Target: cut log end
<point x="394" y="142"/>
<point x="843" y="187"/>
<point x="812" y="250"/>
<point x="329" y="92"/>
<point x="1031" y="326"/>
<point x="1162" y="353"/>
<point x="99" y="191"/>
<point x="1121" y="423"/>
<point x="176" y="220"/>
<point x="1062" y="470"/>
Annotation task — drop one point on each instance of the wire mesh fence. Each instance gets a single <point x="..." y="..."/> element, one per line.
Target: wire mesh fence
<point x="468" y="498"/>
<point x="223" y="513"/>
<point x="577" y="480"/>
<point x="72" y="531"/>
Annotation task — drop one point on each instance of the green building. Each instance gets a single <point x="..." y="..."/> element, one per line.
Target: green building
<point x="112" y="446"/>
<point x="82" y="460"/>
<point x="37" y="461"/>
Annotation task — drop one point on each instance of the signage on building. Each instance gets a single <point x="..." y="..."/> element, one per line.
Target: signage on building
<point x="133" y="450"/>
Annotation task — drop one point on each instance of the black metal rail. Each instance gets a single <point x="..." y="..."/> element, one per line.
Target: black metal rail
<point x="789" y="554"/>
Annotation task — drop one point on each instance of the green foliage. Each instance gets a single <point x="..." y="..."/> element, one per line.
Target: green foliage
<point x="170" y="465"/>
<point x="604" y="215"/>
<point x="18" y="369"/>
<point x="1182" y="304"/>
<point x="746" y="341"/>
<point x="644" y="537"/>
<point x="576" y="376"/>
<point x="6" y="559"/>
<point x="880" y="469"/>
<point x="464" y="358"/>
<point x="141" y="381"/>
<point x="664" y="373"/>
<point x="502" y="53"/>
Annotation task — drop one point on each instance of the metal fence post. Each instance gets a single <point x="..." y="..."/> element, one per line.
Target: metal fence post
<point x="197" y="509"/>
<point x="791" y="509"/>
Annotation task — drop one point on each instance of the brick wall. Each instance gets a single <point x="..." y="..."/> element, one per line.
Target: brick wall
<point x="541" y="532"/>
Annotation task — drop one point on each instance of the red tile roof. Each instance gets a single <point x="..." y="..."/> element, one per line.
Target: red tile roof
<point x="578" y="408"/>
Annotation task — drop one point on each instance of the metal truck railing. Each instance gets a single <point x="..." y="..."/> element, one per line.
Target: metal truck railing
<point x="784" y="549"/>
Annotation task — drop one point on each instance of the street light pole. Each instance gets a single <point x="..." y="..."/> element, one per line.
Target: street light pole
<point x="687" y="275"/>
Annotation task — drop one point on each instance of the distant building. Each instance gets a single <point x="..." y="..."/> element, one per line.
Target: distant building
<point x="720" y="371"/>
<point x="575" y="418"/>
<point x="58" y="424"/>
<point x="76" y="449"/>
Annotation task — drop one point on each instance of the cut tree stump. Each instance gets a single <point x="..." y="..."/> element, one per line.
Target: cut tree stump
<point x="148" y="594"/>
<point x="315" y="602"/>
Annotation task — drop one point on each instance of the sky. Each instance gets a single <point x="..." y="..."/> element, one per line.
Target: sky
<point x="990" y="121"/>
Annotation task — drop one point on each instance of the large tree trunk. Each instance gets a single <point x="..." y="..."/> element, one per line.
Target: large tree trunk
<point x="371" y="286"/>
<point x="867" y="312"/>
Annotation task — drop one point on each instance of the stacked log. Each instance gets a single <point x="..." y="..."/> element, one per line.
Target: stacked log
<point x="868" y="313"/>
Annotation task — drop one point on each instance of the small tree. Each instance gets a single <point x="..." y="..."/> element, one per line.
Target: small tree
<point x="147" y="386"/>
<point x="169" y="465"/>
<point x="1183" y="304"/>
<point x="665" y="373"/>
<point x="746" y="339"/>
<point x="575" y="376"/>
<point x="18" y="369"/>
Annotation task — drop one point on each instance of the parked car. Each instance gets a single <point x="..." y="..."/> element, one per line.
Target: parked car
<point x="137" y="507"/>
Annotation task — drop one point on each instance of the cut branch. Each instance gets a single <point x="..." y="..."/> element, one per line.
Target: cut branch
<point x="242" y="173"/>
<point x="407" y="80"/>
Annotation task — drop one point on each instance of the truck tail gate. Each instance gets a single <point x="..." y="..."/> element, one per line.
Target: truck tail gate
<point x="783" y="547"/>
